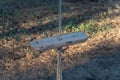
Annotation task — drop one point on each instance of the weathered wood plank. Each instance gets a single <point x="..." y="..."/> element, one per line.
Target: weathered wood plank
<point x="59" y="41"/>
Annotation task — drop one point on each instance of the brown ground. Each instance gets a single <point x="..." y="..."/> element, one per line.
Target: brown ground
<point x="96" y="59"/>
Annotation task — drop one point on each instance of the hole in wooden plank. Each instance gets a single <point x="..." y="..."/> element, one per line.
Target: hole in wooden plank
<point x="42" y="47"/>
<point x="37" y="42"/>
<point x="69" y="42"/>
<point x="74" y="36"/>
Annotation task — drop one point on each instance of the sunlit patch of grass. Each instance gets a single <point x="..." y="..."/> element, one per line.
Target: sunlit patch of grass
<point x="89" y="28"/>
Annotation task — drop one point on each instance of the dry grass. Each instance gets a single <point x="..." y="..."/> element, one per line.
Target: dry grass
<point x="20" y="62"/>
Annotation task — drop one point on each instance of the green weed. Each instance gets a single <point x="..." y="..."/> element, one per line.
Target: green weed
<point x="89" y="27"/>
<point x="104" y="27"/>
<point x="1" y="27"/>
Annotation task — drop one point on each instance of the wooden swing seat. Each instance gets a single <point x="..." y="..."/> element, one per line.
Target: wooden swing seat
<point x="59" y="41"/>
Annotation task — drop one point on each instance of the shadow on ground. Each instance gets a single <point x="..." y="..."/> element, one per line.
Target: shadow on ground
<point x="97" y="64"/>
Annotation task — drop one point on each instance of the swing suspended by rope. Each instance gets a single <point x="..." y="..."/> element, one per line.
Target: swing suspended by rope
<point x="58" y="42"/>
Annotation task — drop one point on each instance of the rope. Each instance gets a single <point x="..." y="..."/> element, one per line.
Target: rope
<point x="59" y="64"/>
<point x="60" y="17"/>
